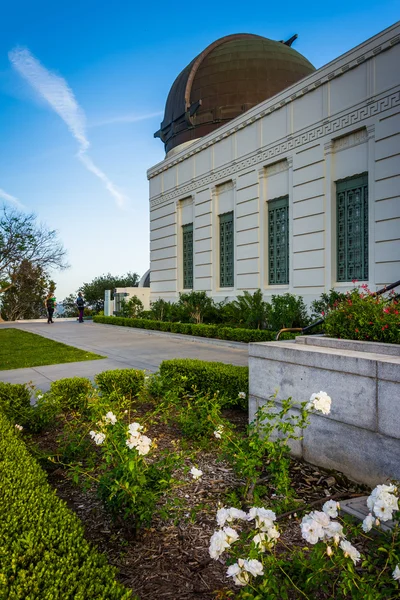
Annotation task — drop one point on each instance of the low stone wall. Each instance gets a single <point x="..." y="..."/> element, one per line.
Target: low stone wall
<point x="361" y="435"/>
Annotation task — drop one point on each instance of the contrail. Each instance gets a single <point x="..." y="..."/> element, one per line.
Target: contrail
<point x="11" y="199"/>
<point x="125" y="119"/>
<point x="56" y="91"/>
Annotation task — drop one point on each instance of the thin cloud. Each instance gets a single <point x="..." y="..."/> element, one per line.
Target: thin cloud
<point x="56" y="91"/>
<point x="125" y="119"/>
<point x="11" y="199"/>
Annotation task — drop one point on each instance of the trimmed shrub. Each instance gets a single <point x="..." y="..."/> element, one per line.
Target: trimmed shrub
<point x="72" y="392"/>
<point x="235" y="334"/>
<point x="208" y="378"/>
<point x="127" y="382"/>
<point x="207" y="331"/>
<point x="15" y="403"/>
<point x="43" y="552"/>
<point x="15" y="400"/>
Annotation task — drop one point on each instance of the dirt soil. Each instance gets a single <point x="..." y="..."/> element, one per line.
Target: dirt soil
<point x="170" y="560"/>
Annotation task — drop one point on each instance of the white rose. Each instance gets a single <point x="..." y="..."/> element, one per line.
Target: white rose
<point x="350" y="551"/>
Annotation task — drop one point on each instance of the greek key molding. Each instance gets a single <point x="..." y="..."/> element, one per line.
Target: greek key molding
<point x="263" y="155"/>
<point x="285" y="97"/>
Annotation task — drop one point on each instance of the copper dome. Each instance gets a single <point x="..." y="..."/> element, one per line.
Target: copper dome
<point x="230" y="76"/>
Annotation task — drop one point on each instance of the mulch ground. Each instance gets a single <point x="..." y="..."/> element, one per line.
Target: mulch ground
<point x="170" y="560"/>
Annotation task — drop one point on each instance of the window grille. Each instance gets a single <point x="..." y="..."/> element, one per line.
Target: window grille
<point x="278" y="241"/>
<point x="187" y="234"/>
<point x="226" y="250"/>
<point x="352" y="228"/>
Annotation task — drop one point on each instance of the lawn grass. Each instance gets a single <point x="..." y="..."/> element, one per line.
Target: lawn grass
<point x="20" y="349"/>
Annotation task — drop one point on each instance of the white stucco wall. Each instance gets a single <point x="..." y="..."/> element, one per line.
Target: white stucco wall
<point x="342" y="120"/>
<point x="140" y="292"/>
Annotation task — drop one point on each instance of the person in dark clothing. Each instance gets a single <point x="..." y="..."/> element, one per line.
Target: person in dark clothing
<point x="50" y="304"/>
<point x="81" y="306"/>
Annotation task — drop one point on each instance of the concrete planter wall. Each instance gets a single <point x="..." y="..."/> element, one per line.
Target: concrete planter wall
<point x="361" y="435"/>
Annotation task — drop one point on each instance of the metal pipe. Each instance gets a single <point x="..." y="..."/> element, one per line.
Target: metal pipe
<point x="387" y="288"/>
<point x="319" y="322"/>
<point x="287" y="329"/>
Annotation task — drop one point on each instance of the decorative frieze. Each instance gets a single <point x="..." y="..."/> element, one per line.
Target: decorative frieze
<point x="352" y="139"/>
<point x="278" y="167"/>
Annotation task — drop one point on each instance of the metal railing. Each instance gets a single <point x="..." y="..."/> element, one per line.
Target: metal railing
<point x="303" y="330"/>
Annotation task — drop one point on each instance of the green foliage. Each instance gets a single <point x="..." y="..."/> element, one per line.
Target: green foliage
<point x="288" y="310"/>
<point x="211" y="378"/>
<point x="15" y="400"/>
<point x="15" y="403"/>
<point x="132" y="308"/>
<point x="196" y="414"/>
<point x="266" y="447"/>
<point x="125" y="382"/>
<point x="161" y="310"/>
<point x="19" y="349"/>
<point x="202" y="330"/>
<point x="25" y="298"/>
<point x="72" y="393"/>
<point x="363" y="316"/>
<point x="249" y="310"/>
<point x="70" y="307"/>
<point x="195" y="305"/>
<point x="131" y="485"/>
<point x="326" y="303"/>
<point x="93" y="291"/>
<point x="43" y="551"/>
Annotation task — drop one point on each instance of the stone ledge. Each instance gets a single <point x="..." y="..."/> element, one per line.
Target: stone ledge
<point x="330" y="359"/>
<point x="355" y="345"/>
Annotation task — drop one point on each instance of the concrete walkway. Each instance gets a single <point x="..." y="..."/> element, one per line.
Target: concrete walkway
<point x="124" y="348"/>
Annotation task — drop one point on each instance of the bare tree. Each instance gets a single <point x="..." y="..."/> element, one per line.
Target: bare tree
<point x="22" y="238"/>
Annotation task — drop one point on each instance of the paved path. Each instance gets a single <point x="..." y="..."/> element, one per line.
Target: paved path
<point x="124" y="348"/>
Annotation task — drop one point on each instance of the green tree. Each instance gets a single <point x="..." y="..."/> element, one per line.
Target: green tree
<point x="131" y="308"/>
<point x="196" y="304"/>
<point x="288" y="310"/>
<point x="69" y="305"/>
<point x="93" y="292"/>
<point x="25" y="298"/>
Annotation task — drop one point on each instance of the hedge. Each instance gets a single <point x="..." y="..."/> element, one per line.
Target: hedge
<point x="72" y="392"/>
<point x="235" y="334"/>
<point x="15" y="401"/>
<point x="209" y="377"/>
<point x="43" y="552"/>
<point x="127" y="382"/>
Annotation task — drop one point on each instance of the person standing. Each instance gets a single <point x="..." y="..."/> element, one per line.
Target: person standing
<point x="50" y="304"/>
<point x="81" y="306"/>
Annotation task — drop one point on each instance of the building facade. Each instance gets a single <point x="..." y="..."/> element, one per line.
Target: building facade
<point x="300" y="193"/>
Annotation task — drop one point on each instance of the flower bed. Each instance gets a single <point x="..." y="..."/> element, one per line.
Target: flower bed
<point x="208" y="331"/>
<point x="191" y="503"/>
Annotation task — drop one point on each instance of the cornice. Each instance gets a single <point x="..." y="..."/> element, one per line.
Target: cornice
<point x="352" y="59"/>
<point x="277" y="150"/>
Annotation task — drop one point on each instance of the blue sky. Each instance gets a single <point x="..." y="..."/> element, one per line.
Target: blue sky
<point x="79" y="160"/>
